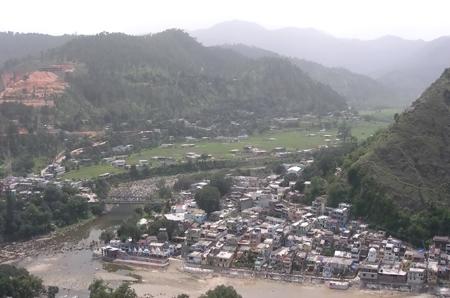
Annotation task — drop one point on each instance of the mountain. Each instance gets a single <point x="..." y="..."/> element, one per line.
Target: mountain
<point x="361" y="91"/>
<point x="401" y="179"/>
<point x="18" y="45"/>
<point x="115" y="78"/>
<point x="408" y="65"/>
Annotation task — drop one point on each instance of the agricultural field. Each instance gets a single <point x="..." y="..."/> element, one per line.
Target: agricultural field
<point x="92" y="172"/>
<point x="292" y="140"/>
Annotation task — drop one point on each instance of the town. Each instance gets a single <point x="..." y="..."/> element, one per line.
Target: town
<point x="260" y="231"/>
<point x="262" y="226"/>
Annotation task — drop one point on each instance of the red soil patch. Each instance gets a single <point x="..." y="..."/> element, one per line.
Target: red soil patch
<point x="37" y="88"/>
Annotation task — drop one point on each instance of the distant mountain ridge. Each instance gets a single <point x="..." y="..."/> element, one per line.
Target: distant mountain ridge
<point x="407" y="65"/>
<point x="361" y="91"/>
<point x="18" y="45"/>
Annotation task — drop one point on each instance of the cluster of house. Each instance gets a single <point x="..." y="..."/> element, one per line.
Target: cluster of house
<point x="32" y="186"/>
<point x="149" y="251"/>
<point x="391" y="262"/>
<point x="53" y="170"/>
<point x="259" y="229"/>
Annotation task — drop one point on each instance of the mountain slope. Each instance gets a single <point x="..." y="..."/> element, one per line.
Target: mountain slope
<point x="19" y="45"/>
<point x="402" y="179"/>
<point x="121" y="78"/>
<point x="406" y="65"/>
<point x="370" y="57"/>
<point x="359" y="90"/>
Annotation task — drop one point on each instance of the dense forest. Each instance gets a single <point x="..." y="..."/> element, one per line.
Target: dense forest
<point x="360" y="91"/>
<point x="121" y="78"/>
<point x="142" y="82"/>
<point x="23" y="137"/>
<point x="18" y="45"/>
<point x="50" y="208"/>
<point x="398" y="180"/>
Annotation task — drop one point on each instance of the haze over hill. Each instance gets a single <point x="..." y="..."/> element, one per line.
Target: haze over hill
<point x="19" y="45"/>
<point x="407" y="65"/>
<point x="361" y="91"/>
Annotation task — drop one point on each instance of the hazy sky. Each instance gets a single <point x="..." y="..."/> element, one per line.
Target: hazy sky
<point x="426" y="19"/>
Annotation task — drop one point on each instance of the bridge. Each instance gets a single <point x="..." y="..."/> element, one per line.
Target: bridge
<point x="125" y="200"/>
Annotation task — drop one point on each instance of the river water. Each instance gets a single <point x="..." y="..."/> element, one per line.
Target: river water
<point x="72" y="270"/>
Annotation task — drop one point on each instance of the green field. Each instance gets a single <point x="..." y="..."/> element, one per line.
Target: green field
<point x="292" y="140"/>
<point x="39" y="164"/>
<point x="91" y="172"/>
<point x="381" y="115"/>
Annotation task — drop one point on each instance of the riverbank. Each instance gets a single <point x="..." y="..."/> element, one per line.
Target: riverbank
<point x="174" y="281"/>
<point x="72" y="270"/>
<point x="54" y="242"/>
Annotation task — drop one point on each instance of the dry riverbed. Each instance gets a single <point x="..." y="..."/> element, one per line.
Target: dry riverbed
<point x="57" y="241"/>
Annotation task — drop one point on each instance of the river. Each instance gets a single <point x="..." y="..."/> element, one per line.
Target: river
<point x="72" y="270"/>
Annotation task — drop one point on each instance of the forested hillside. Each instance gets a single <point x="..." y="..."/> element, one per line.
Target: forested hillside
<point x="121" y="78"/>
<point x="408" y="66"/>
<point x="18" y="45"/>
<point x="401" y="179"/>
<point x="360" y="91"/>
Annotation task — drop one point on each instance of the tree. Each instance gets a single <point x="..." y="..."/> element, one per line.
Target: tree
<point x="164" y="192"/>
<point x="107" y="236"/>
<point x="300" y="185"/>
<point x="222" y="183"/>
<point x="134" y="173"/>
<point x="183" y="183"/>
<point x="23" y="165"/>
<point x="98" y="289"/>
<point x="153" y="206"/>
<point x="18" y="283"/>
<point x="344" y="131"/>
<point x="183" y="296"/>
<point x="279" y="169"/>
<point x="139" y="211"/>
<point x="396" y="117"/>
<point x="317" y="188"/>
<point x="129" y="230"/>
<point x="338" y="192"/>
<point x="124" y="291"/>
<point x="97" y="208"/>
<point x="101" y="188"/>
<point x="52" y="291"/>
<point x="208" y="199"/>
<point x="171" y="227"/>
<point x="10" y="217"/>
<point x="221" y="291"/>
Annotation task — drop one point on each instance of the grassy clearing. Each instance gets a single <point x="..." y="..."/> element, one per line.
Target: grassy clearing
<point x="91" y="172"/>
<point x="292" y="140"/>
<point x="39" y="164"/>
<point x="381" y="115"/>
<point x="365" y="129"/>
